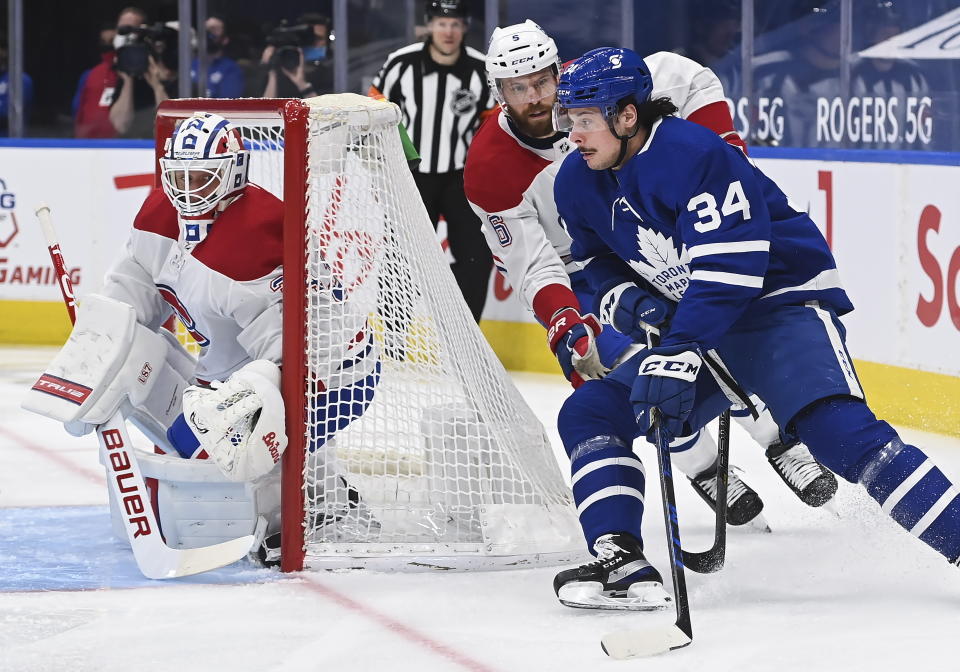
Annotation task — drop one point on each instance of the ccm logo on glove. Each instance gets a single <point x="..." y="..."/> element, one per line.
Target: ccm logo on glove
<point x="684" y="366"/>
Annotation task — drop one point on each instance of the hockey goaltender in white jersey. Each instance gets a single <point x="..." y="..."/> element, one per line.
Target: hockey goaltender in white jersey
<point x="207" y="248"/>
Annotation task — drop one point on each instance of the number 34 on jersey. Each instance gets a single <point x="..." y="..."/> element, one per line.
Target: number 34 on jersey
<point x="705" y="207"/>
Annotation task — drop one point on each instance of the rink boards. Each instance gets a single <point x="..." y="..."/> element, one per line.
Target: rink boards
<point x="890" y="218"/>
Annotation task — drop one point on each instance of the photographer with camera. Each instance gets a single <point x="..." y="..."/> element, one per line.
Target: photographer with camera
<point x="224" y="76"/>
<point x="146" y="68"/>
<point x="297" y="59"/>
<point x="97" y="86"/>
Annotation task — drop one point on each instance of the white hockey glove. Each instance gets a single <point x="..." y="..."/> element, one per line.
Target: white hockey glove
<point x="240" y="422"/>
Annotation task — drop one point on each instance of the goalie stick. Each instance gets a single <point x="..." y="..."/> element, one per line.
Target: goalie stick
<point x="154" y="558"/>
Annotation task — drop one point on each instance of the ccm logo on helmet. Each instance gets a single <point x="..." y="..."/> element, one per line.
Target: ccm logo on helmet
<point x="521" y="60"/>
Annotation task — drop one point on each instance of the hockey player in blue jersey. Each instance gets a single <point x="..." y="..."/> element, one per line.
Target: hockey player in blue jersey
<point x="658" y="206"/>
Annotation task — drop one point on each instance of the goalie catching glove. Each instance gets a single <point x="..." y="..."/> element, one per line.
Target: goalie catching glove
<point x="573" y="339"/>
<point x="240" y="422"/>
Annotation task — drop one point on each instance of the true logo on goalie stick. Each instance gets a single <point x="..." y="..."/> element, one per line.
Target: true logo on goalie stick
<point x="120" y="465"/>
<point x="63" y="388"/>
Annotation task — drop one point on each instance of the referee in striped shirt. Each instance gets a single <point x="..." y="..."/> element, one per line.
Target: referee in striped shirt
<point x="440" y="85"/>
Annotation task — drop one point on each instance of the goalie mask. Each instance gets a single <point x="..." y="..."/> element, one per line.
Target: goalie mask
<point x="203" y="162"/>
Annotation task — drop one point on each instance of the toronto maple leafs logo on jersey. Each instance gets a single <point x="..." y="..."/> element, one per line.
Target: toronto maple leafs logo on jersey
<point x="660" y="264"/>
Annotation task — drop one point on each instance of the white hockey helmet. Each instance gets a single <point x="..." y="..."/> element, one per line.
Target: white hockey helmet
<point x="203" y="161"/>
<point x="520" y="49"/>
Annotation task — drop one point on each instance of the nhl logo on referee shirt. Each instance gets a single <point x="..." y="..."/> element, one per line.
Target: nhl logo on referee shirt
<point x="463" y="101"/>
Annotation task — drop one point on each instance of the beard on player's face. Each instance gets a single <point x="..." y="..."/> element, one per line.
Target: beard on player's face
<point x="534" y="119"/>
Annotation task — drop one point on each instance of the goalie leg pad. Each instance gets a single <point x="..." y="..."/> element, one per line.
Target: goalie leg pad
<point x="240" y="423"/>
<point x="197" y="506"/>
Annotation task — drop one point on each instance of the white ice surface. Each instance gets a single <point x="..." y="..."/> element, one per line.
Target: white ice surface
<point x="819" y="593"/>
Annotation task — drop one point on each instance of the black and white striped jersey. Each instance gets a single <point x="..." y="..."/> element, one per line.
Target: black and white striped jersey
<point x="442" y="104"/>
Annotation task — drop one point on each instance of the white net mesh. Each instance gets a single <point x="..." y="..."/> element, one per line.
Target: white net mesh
<point x="419" y="449"/>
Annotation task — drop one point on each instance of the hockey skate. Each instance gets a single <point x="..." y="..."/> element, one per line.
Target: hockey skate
<point x="809" y="480"/>
<point x="339" y="513"/>
<point x="349" y="520"/>
<point x="620" y="578"/>
<point x="743" y="503"/>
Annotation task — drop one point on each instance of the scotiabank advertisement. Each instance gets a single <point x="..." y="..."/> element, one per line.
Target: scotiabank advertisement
<point x="894" y="228"/>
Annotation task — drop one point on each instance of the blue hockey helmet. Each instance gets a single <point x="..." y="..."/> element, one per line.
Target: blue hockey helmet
<point x="602" y="78"/>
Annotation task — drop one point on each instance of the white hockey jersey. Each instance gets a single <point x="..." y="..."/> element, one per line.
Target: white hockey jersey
<point x="509" y="180"/>
<point x="226" y="288"/>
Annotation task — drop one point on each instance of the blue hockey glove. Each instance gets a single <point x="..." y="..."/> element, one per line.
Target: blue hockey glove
<point x="666" y="381"/>
<point x="573" y="339"/>
<point x="631" y="310"/>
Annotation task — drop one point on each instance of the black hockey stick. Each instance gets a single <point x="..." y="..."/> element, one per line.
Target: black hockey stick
<point x="711" y="560"/>
<point x="636" y="643"/>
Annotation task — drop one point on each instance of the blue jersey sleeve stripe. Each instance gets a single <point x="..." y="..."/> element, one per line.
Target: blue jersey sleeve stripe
<point x="728" y="278"/>
<point x="828" y="279"/>
<point x="728" y="248"/>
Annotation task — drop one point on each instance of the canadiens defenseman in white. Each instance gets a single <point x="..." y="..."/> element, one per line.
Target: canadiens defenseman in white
<point x="509" y="177"/>
<point x="207" y="248"/>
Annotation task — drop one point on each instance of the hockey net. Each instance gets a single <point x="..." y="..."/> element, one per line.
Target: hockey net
<point x="409" y="445"/>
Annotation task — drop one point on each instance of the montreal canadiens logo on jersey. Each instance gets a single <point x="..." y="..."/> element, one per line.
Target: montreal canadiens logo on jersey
<point x="183" y="314"/>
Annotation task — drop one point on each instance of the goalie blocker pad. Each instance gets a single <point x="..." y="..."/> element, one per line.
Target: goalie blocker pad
<point x="108" y="359"/>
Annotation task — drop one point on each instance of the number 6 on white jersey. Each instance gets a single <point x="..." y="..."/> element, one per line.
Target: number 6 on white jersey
<point x="705" y="205"/>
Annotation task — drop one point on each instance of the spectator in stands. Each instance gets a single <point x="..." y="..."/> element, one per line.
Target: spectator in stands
<point x="297" y="60"/>
<point x="803" y="71"/>
<point x="5" y="90"/>
<point x="108" y="33"/>
<point x="887" y="79"/>
<point x="97" y="86"/>
<point x="714" y="38"/>
<point x="144" y="83"/>
<point x="224" y="76"/>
